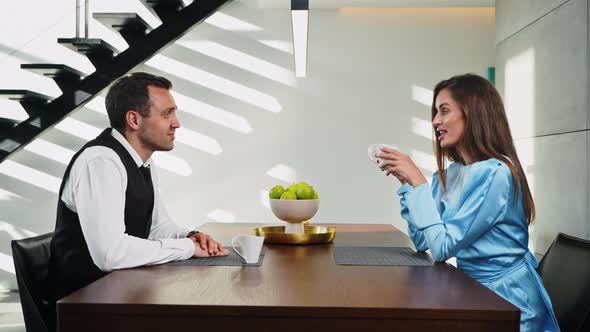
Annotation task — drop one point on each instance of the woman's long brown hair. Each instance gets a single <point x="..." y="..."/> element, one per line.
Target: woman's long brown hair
<point x="487" y="133"/>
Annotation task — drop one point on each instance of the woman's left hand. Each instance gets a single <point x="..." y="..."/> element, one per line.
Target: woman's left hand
<point x="401" y="166"/>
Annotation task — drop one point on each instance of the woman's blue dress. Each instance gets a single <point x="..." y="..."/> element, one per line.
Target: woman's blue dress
<point x="477" y="221"/>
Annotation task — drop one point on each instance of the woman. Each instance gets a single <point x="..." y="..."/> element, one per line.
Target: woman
<point x="477" y="209"/>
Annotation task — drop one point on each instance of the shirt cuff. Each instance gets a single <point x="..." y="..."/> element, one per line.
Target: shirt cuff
<point x="185" y="246"/>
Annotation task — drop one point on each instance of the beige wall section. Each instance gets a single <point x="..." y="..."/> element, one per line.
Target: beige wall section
<point x="514" y="15"/>
<point x="555" y="167"/>
<point x="542" y="74"/>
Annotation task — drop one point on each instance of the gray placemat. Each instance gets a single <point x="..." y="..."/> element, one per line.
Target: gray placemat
<point x="380" y="256"/>
<point x="233" y="259"/>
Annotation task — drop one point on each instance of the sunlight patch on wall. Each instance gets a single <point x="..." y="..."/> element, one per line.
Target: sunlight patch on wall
<point x="214" y="82"/>
<point x="15" y="234"/>
<point x="422" y="95"/>
<point x="283" y="172"/>
<point x="422" y="127"/>
<point x="78" y="128"/>
<point x="221" y="216"/>
<point x="230" y="23"/>
<point x="12" y="110"/>
<point x="280" y="45"/>
<point x="97" y="104"/>
<point x="165" y="160"/>
<point x="424" y="160"/>
<point x="6" y="263"/>
<point x="519" y="83"/>
<point x="519" y="102"/>
<point x="241" y="60"/>
<point x="211" y="113"/>
<point x="525" y="149"/>
<point x="50" y="151"/>
<point x="10" y="230"/>
<point x="8" y="196"/>
<point x="31" y="176"/>
<point x="10" y="325"/>
<point x="263" y="194"/>
<point x="198" y="141"/>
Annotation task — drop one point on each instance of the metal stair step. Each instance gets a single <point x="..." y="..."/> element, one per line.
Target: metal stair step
<point x="164" y="9"/>
<point x="31" y="101"/>
<point x="97" y="50"/>
<point x="65" y="76"/>
<point x="6" y="123"/>
<point x="24" y="95"/>
<point x="130" y="25"/>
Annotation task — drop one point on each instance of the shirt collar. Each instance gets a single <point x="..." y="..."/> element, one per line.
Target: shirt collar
<point x="117" y="135"/>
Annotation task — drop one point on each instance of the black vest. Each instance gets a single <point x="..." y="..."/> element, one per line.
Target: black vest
<point x="70" y="265"/>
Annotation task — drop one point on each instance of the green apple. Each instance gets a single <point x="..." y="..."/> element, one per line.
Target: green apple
<point x="305" y="192"/>
<point x="288" y="195"/>
<point x="276" y="192"/>
<point x="292" y="188"/>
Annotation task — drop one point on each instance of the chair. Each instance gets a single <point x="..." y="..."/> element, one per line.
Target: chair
<point x="565" y="270"/>
<point x="31" y="262"/>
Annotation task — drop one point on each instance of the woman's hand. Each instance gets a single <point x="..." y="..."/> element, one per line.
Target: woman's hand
<point x="401" y="166"/>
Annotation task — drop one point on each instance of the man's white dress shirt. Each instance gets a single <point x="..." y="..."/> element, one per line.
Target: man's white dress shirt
<point x="95" y="190"/>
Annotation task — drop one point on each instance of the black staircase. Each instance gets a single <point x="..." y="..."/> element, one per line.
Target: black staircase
<point x="77" y="90"/>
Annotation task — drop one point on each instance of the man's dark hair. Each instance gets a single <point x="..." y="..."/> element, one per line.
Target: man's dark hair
<point x="131" y="93"/>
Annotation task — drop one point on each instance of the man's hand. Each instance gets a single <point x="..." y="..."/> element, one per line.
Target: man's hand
<point x="206" y="246"/>
<point x="200" y="252"/>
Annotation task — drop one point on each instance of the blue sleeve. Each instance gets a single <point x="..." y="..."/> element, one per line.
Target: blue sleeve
<point x="485" y="200"/>
<point x="416" y="235"/>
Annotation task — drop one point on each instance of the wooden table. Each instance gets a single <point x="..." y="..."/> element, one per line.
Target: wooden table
<point x="297" y="288"/>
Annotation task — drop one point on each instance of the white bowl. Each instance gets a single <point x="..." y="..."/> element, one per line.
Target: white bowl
<point x="294" y="211"/>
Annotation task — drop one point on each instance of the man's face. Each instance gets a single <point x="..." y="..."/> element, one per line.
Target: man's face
<point x="157" y="130"/>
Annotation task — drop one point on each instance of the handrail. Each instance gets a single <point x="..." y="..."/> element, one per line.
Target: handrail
<point x="86" y="14"/>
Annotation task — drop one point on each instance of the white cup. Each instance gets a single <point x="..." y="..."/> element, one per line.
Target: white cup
<point x="249" y="247"/>
<point x="376" y="149"/>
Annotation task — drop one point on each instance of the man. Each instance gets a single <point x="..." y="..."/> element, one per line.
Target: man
<point x="110" y="215"/>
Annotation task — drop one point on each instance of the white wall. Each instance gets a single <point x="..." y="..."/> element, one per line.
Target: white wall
<point x="542" y="73"/>
<point x="244" y="114"/>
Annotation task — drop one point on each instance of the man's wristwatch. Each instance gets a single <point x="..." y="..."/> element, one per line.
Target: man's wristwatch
<point x="191" y="233"/>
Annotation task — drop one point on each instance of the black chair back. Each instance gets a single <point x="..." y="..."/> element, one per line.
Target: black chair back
<point x="31" y="262"/>
<point x="565" y="270"/>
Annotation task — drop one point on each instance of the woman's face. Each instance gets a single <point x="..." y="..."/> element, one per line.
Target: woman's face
<point x="449" y="121"/>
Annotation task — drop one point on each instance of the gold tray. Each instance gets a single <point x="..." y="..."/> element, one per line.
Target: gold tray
<point x="311" y="235"/>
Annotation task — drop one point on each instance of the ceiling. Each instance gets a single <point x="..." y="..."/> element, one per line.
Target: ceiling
<point x="334" y="4"/>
